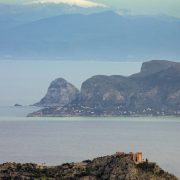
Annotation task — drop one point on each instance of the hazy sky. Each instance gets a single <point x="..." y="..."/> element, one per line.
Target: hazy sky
<point x="137" y="7"/>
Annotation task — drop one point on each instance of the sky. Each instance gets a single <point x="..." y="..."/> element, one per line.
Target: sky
<point x="134" y="7"/>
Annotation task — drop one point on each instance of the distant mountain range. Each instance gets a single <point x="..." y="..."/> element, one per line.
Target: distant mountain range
<point x="153" y="91"/>
<point x="105" y="35"/>
<point x="13" y="15"/>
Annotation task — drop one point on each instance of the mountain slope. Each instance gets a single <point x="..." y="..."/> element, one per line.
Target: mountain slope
<point x="104" y="35"/>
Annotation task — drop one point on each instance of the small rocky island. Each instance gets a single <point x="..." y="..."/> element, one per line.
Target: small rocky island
<point x="155" y="90"/>
<point x="119" y="166"/>
<point x="17" y="105"/>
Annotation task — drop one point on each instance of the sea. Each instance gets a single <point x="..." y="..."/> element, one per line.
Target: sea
<point x="53" y="141"/>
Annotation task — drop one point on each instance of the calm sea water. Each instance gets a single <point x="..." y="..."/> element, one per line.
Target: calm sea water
<point x="58" y="140"/>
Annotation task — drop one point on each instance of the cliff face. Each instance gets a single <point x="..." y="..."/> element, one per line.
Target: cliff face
<point x="59" y="93"/>
<point x="106" y="91"/>
<point x="153" y="91"/>
<point x="159" y="91"/>
<point x="155" y="66"/>
<point x="118" y="166"/>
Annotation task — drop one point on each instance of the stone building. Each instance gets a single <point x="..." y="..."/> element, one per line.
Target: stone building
<point x="136" y="157"/>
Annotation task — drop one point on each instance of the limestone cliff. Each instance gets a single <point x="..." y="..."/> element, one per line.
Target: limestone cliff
<point x="59" y="93"/>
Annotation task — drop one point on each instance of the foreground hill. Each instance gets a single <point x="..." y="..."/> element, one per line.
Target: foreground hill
<point x="153" y="91"/>
<point x="118" y="166"/>
<point x="104" y="35"/>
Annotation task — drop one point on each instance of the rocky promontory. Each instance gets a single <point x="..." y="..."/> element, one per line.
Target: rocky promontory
<point x="119" y="166"/>
<point x="59" y="93"/>
<point x="155" y="90"/>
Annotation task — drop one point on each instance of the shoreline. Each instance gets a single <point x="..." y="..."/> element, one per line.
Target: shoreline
<point x="108" y="116"/>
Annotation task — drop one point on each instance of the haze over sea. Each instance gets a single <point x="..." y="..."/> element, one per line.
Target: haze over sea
<point x="58" y="140"/>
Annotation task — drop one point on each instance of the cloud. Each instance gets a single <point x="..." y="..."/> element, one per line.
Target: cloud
<point x="80" y="3"/>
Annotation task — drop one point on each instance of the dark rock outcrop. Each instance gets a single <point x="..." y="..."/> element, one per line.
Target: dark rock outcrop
<point x="153" y="91"/>
<point x="17" y="105"/>
<point x="118" y="166"/>
<point x="59" y="93"/>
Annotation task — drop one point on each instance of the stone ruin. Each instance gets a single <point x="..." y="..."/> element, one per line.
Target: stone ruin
<point x="136" y="157"/>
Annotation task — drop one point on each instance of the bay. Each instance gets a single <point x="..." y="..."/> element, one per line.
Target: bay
<point x="58" y="140"/>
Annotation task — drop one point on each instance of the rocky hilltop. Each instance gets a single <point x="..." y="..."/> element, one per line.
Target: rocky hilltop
<point x="155" y="90"/>
<point x="60" y="93"/>
<point x="119" y="166"/>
